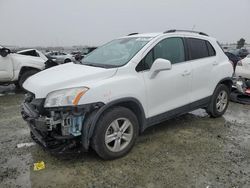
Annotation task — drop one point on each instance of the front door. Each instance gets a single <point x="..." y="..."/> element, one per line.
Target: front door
<point x="169" y="89"/>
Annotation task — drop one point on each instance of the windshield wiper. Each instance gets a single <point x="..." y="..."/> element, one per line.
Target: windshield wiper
<point x="89" y="64"/>
<point x="98" y="65"/>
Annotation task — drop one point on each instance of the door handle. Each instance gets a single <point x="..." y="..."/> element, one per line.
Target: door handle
<point x="215" y="63"/>
<point x="186" y="73"/>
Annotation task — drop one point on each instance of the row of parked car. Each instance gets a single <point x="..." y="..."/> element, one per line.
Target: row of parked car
<point x="17" y="67"/>
<point x="62" y="57"/>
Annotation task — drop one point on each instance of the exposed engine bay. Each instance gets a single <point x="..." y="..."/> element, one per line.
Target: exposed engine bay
<point x="243" y="86"/>
<point x="241" y="92"/>
<point x="57" y="129"/>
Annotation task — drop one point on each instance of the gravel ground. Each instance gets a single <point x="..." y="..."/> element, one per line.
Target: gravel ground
<point x="193" y="150"/>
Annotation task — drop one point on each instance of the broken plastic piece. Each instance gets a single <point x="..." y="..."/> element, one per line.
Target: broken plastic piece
<point x="39" y="166"/>
<point x="248" y="91"/>
<point x="25" y="144"/>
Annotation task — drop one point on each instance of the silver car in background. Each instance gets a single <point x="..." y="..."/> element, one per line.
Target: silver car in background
<point x="60" y="57"/>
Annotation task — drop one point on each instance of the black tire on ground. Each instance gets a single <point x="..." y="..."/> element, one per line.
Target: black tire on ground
<point x="212" y="108"/>
<point x="103" y="126"/>
<point x="67" y="60"/>
<point x="17" y="85"/>
<point x="26" y="75"/>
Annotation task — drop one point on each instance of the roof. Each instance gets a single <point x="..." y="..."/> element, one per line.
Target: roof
<point x="170" y="32"/>
<point x="150" y="35"/>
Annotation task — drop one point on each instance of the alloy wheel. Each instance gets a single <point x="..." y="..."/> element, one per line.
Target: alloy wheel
<point x="221" y="101"/>
<point x="119" y="134"/>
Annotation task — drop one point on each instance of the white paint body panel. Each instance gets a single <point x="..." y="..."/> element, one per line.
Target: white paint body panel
<point x="11" y="65"/>
<point x="168" y="90"/>
<point x="244" y="70"/>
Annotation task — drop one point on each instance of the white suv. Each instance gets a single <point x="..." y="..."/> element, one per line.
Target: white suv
<point x="124" y="87"/>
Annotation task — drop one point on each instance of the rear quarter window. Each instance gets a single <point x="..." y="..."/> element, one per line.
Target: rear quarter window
<point x="211" y="50"/>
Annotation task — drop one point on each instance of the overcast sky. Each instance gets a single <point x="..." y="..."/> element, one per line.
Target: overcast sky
<point x="94" y="22"/>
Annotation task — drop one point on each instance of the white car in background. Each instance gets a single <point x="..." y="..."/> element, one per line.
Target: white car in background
<point x="60" y="57"/>
<point x="243" y="68"/>
<point x="242" y="73"/>
<point x="17" y="67"/>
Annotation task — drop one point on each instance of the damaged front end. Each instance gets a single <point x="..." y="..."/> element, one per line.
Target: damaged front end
<point x="61" y="129"/>
<point x="243" y="86"/>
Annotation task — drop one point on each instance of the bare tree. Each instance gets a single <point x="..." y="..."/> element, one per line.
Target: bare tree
<point x="241" y="43"/>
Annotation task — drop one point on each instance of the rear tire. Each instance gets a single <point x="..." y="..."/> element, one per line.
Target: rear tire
<point x="115" y="134"/>
<point x="25" y="76"/>
<point x="219" y="101"/>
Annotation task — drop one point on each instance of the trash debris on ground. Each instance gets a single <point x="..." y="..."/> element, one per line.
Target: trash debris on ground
<point x="21" y="145"/>
<point x="39" y="166"/>
<point x="239" y="98"/>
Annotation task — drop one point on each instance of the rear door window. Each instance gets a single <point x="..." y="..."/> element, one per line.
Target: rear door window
<point x="211" y="50"/>
<point x="197" y="48"/>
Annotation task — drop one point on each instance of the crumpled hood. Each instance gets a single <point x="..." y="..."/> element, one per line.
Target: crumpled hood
<point x="65" y="76"/>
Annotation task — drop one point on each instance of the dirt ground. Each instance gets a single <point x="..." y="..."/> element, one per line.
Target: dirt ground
<point x="193" y="150"/>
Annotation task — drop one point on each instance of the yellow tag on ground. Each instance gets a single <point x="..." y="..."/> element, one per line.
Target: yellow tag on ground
<point x="39" y="166"/>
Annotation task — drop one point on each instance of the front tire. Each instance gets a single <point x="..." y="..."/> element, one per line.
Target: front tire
<point x="115" y="133"/>
<point x="219" y="101"/>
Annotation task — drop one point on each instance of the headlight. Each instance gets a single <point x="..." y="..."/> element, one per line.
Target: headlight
<point x="65" y="97"/>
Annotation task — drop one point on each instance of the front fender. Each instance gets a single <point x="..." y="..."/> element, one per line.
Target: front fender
<point x="92" y="119"/>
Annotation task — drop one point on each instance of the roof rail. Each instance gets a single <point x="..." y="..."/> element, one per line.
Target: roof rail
<point x="133" y="34"/>
<point x="190" y="31"/>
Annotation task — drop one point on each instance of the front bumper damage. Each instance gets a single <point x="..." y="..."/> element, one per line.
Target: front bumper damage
<point x="59" y="130"/>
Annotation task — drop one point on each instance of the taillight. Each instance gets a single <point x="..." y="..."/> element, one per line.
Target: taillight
<point x="239" y="63"/>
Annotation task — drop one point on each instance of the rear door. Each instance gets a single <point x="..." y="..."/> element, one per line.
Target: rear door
<point x="203" y="60"/>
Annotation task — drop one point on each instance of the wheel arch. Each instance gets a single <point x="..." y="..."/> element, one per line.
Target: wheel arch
<point x="227" y="81"/>
<point x="26" y="68"/>
<point x="131" y="103"/>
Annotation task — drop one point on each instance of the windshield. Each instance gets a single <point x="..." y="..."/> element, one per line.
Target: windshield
<point x="116" y="53"/>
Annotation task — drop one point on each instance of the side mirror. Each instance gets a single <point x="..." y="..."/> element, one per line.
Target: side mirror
<point x="4" y="52"/>
<point x="159" y="65"/>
